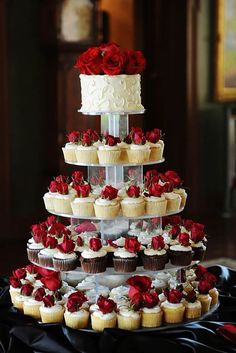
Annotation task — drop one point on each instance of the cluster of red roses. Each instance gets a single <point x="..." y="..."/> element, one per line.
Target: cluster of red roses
<point x="109" y="59"/>
<point x="50" y="281"/>
<point x="85" y="138"/>
<point x="156" y="183"/>
<point x="61" y="184"/>
<point x="206" y="279"/>
<point x="138" y="137"/>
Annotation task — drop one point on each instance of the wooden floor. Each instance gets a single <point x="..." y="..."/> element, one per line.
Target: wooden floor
<point x="221" y="243"/>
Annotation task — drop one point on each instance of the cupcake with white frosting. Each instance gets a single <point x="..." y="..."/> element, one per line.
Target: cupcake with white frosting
<point x="173" y="199"/>
<point x="45" y="255"/>
<point x="155" y="257"/>
<point x="25" y="292"/>
<point x="32" y="304"/>
<point x="94" y="259"/>
<point x="192" y="305"/>
<point x="83" y="204"/>
<point x="151" y="313"/>
<point x="203" y="295"/>
<point x="156" y="203"/>
<point x="51" y="311"/>
<point x="86" y="152"/>
<point x="107" y="205"/>
<point x="173" y="307"/>
<point x="197" y="235"/>
<point x="109" y="153"/>
<point x="35" y="245"/>
<point x="156" y="144"/>
<point x="65" y="258"/>
<point x="126" y="259"/>
<point x="181" y="254"/>
<point x="139" y="150"/>
<point x="71" y="146"/>
<point x="63" y="198"/>
<point x="105" y="314"/>
<point x="75" y="315"/>
<point x="133" y="205"/>
<point x="50" y="195"/>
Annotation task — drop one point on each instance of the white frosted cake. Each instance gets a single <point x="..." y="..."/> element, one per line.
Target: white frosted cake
<point x="104" y="93"/>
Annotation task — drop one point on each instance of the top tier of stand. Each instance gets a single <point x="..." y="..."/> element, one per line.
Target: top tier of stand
<point x="112" y="113"/>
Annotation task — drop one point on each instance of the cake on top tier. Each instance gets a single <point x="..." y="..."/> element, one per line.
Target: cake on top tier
<point x="110" y="79"/>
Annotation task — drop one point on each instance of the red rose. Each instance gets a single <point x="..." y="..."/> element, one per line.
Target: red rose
<point x="197" y="232"/>
<point x="183" y="239"/>
<point x="128" y="139"/>
<point x="228" y="331"/>
<point x="67" y="246"/>
<point x="93" y="134"/>
<point x="26" y="289"/>
<point x="209" y="277"/>
<point x="113" y="62"/>
<point x="39" y="294"/>
<point x="79" y="296"/>
<point x="48" y="300"/>
<point x="187" y="224"/>
<point x="63" y="189"/>
<point x="135" y="62"/>
<point x="20" y="273"/>
<point x="48" y="273"/>
<point x="191" y="296"/>
<point x="83" y="190"/>
<point x="51" y="283"/>
<point x="133" y="191"/>
<point x="204" y="287"/>
<point x="110" y="242"/>
<point x="61" y="179"/>
<point x="173" y="295"/>
<point x="73" y="136"/>
<point x="132" y="245"/>
<point x="139" y="139"/>
<point x="137" y="301"/>
<point x="199" y="272"/>
<point x="79" y="241"/>
<point x="111" y="140"/>
<point x="59" y="229"/>
<point x="109" y="193"/>
<point x="150" y="299"/>
<point x="89" y="62"/>
<point x="95" y="244"/>
<point x="155" y="190"/>
<point x="86" y="139"/>
<point x="78" y="177"/>
<point x="15" y="282"/>
<point x="153" y="136"/>
<point x="106" y="305"/>
<point x="50" y="242"/>
<point x="174" y="231"/>
<point x="158" y="242"/>
<point x="39" y="236"/>
<point x="141" y="283"/>
<point x="75" y="301"/>
<point x="109" y="47"/>
<point x="175" y="220"/>
<point x="32" y="269"/>
<point x="168" y="187"/>
<point x="85" y="226"/>
<point x="173" y="177"/>
<point x="53" y="186"/>
<point x="51" y="220"/>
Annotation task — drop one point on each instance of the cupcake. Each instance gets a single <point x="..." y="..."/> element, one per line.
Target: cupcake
<point x="65" y="259"/>
<point x="155" y="257"/>
<point x="151" y="313"/>
<point x="156" y="203"/>
<point x="192" y="305"/>
<point x="75" y="315"/>
<point x="128" y="318"/>
<point x="71" y="146"/>
<point x="173" y="308"/>
<point x="105" y="316"/>
<point x="126" y="259"/>
<point x="173" y="178"/>
<point x="173" y="199"/>
<point x="109" y="153"/>
<point x="197" y="236"/>
<point x="15" y="288"/>
<point x="62" y="201"/>
<point x="213" y="292"/>
<point x="50" y="195"/>
<point x="94" y="259"/>
<point x="139" y="150"/>
<point x="32" y="304"/>
<point x="107" y="205"/>
<point x="156" y="145"/>
<point x="79" y="247"/>
<point x="83" y="204"/>
<point x="36" y="245"/>
<point x="25" y="292"/>
<point x="86" y="152"/>
<point x="181" y="254"/>
<point x="50" y="311"/>
<point x="203" y="296"/>
<point x="183" y="194"/>
<point x="45" y="255"/>
<point x="133" y="205"/>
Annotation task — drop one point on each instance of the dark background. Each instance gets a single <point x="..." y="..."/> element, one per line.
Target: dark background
<point x="40" y="95"/>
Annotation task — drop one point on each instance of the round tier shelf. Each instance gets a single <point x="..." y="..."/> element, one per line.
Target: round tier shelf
<point x="119" y="164"/>
<point x="132" y="112"/>
<point x="111" y="219"/>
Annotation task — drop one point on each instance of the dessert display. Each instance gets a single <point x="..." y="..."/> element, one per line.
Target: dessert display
<point x="122" y="257"/>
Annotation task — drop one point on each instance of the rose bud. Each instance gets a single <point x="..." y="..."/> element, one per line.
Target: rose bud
<point x="63" y="189"/>
<point x="26" y="289"/>
<point x="209" y="277"/>
<point x="156" y="190"/>
<point x="20" y="273"/>
<point x="153" y="136"/>
<point x="60" y="179"/>
<point x="79" y="296"/>
<point x="53" y="186"/>
<point x="106" y="305"/>
<point x="95" y="244"/>
<point x="133" y="191"/>
<point x="197" y="232"/>
<point x="73" y="136"/>
<point x="39" y="294"/>
<point x="150" y="299"/>
<point x="135" y="62"/>
<point x="137" y="301"/>
<point x="109" y="193"/>
<point x="72" y="305"/>
<point x="90" y="62"/>
<point x="128" y="139"/>
<point x="132" y="245"/>
<point x="183" y="239"/>
<point x="191" y="296"/>
<point x="204" y="287"/>
<point x="173" y="295"/>
<point x="86" y="140"/>
<point x="83" y="190"/>
<point x="113" y="63"/>
<point x="48" y="300"/>
<point x="139" y="139"/>
<point x="67" y="246"/>
<point x="187" y="224"/>
<point x="15" y="282"/>
<point x="111" y="140"/>
<point x="141" y="283"/>
<point x="158" y="242"/>
<point x="78" y="177"/>
<point x="173" y="177"/>
<point x="199" y="272"/>
<point x="48" y="273"/>
<point x="175" y="220"/>
<point x="79" y="241"/>
<point x="32" y="269"/>
<point x="39" y="236"/>
<point x="51" y="283"/>
<point x="51" y="220"/>
<point x="174" y="231"/>
<point x="50" y="242"/>
<point x="111" y="243"/>
<point x="58" y="229"/>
